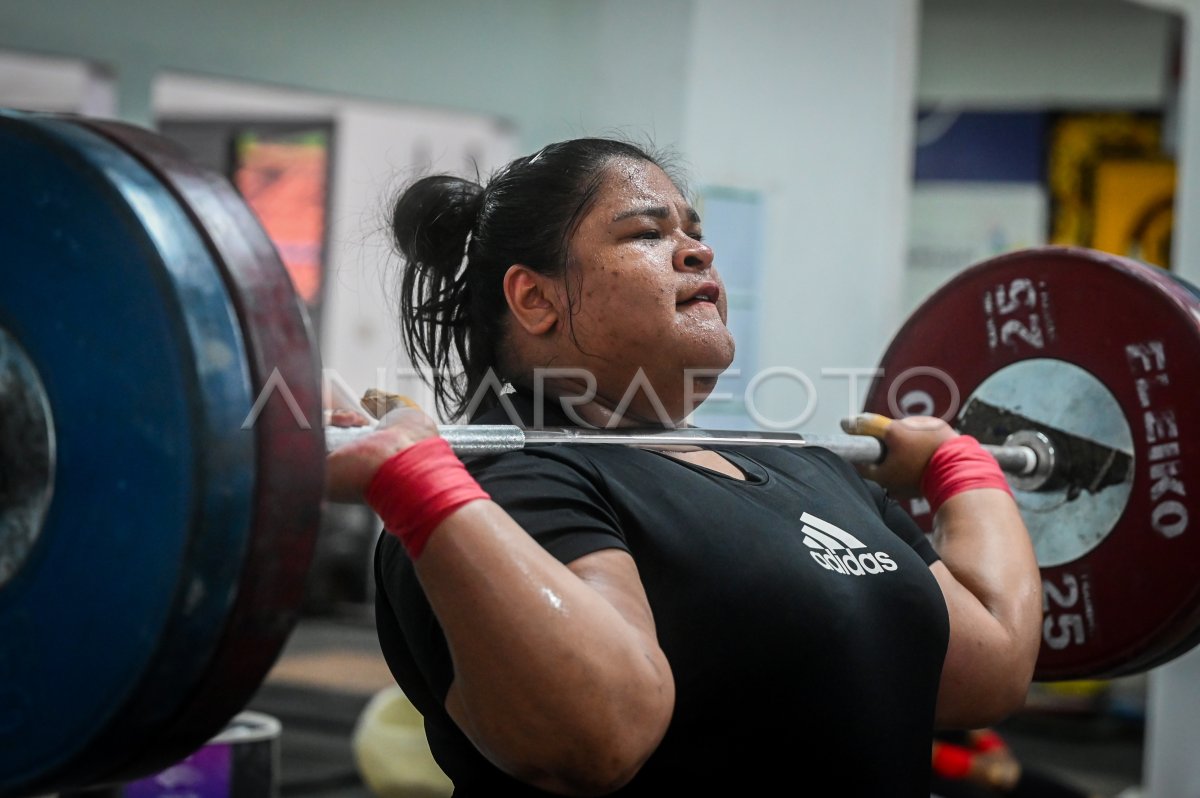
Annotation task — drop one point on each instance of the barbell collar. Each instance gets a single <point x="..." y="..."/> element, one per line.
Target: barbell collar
<point x="1041" y="465"/>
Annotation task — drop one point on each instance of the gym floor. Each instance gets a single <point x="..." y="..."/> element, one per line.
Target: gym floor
<point x="322" y="682"/>
<point x="332" y="666"/>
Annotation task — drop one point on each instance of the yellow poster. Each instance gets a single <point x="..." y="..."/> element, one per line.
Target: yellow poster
<point x="1111" y="186"/>
<point x="1135" y="203"/>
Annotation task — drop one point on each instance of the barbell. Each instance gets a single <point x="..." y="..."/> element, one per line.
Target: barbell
<point x="1032" y="458"/>
<point x="153" y="551"/>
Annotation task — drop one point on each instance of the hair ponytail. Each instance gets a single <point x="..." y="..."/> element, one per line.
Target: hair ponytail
<point x="431" y="224"/>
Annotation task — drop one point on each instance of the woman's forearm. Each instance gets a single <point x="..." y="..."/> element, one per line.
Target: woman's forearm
<point x="980" y="536"/>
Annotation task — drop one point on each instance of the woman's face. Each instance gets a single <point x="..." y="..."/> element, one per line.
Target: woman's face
<point x="646" y="296"/>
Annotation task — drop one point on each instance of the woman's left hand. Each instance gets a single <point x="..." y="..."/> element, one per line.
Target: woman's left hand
<point x="909" y="443"/>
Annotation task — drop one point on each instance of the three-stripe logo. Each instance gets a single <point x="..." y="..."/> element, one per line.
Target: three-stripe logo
<point x="834" y="549"/>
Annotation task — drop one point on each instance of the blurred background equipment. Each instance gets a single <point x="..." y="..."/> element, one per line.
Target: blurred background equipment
<point x="392" y="752"/>
<point x="243" y="760"/>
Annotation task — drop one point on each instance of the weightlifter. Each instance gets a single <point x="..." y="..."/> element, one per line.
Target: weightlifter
<point x="607" y="619"/>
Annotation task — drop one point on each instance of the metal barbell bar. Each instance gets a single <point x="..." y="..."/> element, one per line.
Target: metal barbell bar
<point x="1031" y="459"/>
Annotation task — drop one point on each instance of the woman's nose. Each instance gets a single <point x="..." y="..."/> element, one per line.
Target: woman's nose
<point x="693" y="255"/>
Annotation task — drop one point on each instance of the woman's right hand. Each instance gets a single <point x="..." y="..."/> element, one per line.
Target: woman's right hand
<point x="350" y="468"/>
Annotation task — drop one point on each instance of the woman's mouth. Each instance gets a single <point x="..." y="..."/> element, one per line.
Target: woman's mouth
<point x="705" y="293"/>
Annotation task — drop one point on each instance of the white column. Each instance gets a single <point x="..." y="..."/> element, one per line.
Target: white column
<point x="1172" y="754"/>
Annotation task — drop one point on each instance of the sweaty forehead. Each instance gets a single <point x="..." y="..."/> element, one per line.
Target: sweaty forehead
<point x="629" y="180"/>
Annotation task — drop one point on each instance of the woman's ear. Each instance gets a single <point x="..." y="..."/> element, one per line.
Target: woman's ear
<point x="532" y="299"/>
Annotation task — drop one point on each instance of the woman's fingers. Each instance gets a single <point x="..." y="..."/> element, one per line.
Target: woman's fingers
<point x="871" y="424"/>
<point x="908" y="443"/>
<point x="379" y="403"/>
<point x="341" y="417"/>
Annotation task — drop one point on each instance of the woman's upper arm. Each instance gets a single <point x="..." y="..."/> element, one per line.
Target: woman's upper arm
<point x="600" y="724"/>
<point x="613" y="574"/>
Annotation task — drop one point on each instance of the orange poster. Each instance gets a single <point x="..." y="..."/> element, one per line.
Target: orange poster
<point x="283" y="181"/>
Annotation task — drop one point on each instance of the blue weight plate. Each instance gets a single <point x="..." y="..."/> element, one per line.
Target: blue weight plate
<point x="111" y="293"/>
<point x="290" y="441"/>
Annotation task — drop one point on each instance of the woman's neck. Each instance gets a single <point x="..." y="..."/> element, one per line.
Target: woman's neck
<point x="586" y="405"/>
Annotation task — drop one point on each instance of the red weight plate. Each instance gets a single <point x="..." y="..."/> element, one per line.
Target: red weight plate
<point x="289" y="440"/>
<point x="1187" y="634"/>
<point x="1115" y="599"/>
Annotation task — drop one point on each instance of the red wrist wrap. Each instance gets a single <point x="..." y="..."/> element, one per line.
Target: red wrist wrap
<point x="417" y="488"/>
<point x="951" y="761"/>
<point x="957" y="465"/>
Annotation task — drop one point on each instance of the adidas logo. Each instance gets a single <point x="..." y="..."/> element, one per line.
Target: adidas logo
<point x="834" y="549"/>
